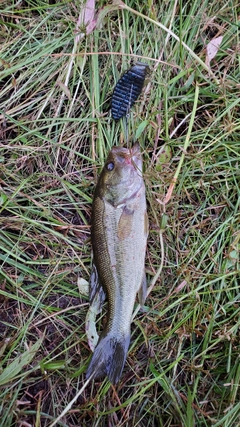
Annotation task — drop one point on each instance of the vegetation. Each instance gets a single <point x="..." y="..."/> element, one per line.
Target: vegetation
<point x="56" y="80"/>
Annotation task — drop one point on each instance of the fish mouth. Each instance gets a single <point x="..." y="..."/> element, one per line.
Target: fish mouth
<point x="130" y="156"/>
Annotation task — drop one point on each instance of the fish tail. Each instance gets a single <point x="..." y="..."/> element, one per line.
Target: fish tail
<point x="109" y="357"/>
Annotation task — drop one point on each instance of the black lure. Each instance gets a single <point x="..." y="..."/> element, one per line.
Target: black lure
<point x="128" y="89"/>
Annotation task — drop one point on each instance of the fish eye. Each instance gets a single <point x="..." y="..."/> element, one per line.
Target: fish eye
<point x="110" y="166"/>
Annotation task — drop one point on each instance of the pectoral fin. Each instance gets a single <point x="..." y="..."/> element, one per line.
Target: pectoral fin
<point x="125" y="223"/>
<point x="142" y="293"/>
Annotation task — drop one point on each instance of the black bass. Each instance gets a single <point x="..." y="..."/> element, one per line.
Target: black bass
<point x="119" y="238"/>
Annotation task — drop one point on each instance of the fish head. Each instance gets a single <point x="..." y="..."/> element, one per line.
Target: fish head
<point x="121" y="177"/>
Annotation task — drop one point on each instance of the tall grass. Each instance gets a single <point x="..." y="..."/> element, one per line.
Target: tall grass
<point x="55" y="132"/>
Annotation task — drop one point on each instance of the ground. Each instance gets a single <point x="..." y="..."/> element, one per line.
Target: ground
<point x="58" y="66"/>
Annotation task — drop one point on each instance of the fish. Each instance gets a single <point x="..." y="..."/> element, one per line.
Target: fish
<point x="119" y="234"/>
<point x="128" y="89"/>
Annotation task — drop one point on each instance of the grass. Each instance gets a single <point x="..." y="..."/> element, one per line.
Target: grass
<point x="55" y="132"/>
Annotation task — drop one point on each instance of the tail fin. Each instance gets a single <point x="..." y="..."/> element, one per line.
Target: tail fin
<point x="109" y="357"/>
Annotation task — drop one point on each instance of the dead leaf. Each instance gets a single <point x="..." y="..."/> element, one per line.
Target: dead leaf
<point x="212" y="49"/>
<point x="64" y="89"/>
<point x="87" y="17"/>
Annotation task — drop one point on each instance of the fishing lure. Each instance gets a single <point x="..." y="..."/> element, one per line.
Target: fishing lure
<point x="128" y="89"/>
